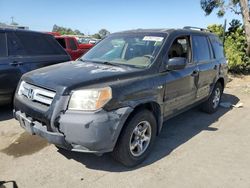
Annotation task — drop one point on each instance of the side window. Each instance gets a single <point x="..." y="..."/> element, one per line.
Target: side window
<point x="201" y="49"/>
<point x="3" y="47"/>
<point x="38" y="44"/>
<point x="180" y="48"/>
<point x="217" y="47"/>
<point x="61" y="42"/>
<point x="15" y="47"/>
<point x="72" y="44"/>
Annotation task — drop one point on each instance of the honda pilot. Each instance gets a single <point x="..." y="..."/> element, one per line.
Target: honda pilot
<point x="116" y="97"/>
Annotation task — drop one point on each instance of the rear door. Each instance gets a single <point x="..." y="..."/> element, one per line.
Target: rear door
<point x="218" y="50"/>
<point x="208" y="66"/>
<point x="40" y="50"/>
<point x="25" y="51"/>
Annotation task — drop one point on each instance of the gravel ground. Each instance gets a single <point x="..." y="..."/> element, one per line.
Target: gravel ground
<point x="194" y="149"/>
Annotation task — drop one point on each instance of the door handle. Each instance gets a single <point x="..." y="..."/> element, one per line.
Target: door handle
<point x="16" y="63"/>
<point x="195" y="73"/>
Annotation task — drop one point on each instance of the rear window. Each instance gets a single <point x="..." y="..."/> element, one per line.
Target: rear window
<point x="200" y="48"/>
<point x="14" y="46"/>
<point x="3" y="47"/>
<point x="217" y="47"/>
<point x="72" y="44"/>
<point x="34" y="44"/>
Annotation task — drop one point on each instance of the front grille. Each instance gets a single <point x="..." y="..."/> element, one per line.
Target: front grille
<point x="36" y="94"/>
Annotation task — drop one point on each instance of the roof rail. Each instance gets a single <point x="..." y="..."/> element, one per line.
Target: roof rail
<point x="196" y="28"/>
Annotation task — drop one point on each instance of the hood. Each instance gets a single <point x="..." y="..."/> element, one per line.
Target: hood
<point x="75" y="74"/>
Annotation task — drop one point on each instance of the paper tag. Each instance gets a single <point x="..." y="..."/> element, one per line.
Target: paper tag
<point x="153" y="38"/>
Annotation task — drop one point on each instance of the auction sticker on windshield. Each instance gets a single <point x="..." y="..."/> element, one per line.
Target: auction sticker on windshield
<point x="153" y="38"/>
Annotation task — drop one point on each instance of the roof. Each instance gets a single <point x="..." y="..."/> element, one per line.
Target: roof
<point x="22" y="30"/>
<point x="190" y="30"/>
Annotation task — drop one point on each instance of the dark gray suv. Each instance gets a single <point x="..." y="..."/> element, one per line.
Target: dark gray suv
<point x="22" y="51"/>
<point x="116" y="97"/>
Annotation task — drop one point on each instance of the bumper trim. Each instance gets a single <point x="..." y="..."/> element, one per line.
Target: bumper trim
<point x="82" y="132"/>
<point x="37" y="128"/>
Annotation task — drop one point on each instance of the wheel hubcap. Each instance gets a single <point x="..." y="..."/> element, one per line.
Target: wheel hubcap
<point x="140" y="138"/>
<point x="216" y="99"/>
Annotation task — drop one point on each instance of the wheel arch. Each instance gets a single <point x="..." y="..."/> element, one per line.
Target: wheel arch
<point x="222" y="82"/>
<point x="153" y="107"/>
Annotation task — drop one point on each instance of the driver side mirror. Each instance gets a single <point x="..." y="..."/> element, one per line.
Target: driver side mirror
<point x="176" y="63"/>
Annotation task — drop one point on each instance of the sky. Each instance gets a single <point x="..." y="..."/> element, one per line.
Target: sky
<point x="89" y="16"/>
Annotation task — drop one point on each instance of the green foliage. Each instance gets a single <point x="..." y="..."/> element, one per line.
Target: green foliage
<point x="217" y="29"/>
<point x="65" y="31"/>
<point x="103" y="33"/>
<point x="235" y="44"/>
<point x="97" y="36"/>
<point x="208" y="6"/>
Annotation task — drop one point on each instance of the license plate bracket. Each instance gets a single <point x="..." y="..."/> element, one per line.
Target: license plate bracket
<point x="26" y="123"/>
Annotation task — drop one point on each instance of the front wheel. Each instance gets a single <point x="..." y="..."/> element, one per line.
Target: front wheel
<point x="212" y="104"/>
<point x="136" y="139"/>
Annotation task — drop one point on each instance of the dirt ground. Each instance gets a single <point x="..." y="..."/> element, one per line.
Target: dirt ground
<point x="194" y="149"/>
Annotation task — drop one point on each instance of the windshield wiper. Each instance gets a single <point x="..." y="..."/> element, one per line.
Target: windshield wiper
<point x="100" y="62"/>
<point x="110" y="63"/>
<point x="81" y="60"/>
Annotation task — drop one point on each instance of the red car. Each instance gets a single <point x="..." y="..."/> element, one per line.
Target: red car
<point x="73" y="48"/>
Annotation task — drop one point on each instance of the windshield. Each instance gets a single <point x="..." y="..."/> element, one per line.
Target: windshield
<point x="137" y="50"/>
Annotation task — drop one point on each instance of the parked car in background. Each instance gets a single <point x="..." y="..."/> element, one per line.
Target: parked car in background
<point x="88" y="40"/>
<point x="117" y="96"/>
<point x="71" y="45"/>
<point x="54" y="33"/>
<point x="22" y="51"/>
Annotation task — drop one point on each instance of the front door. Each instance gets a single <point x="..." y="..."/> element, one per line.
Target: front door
<point x="9" y="71"/>
<point x="72" y="48"/>
<point x="181" y="85"/>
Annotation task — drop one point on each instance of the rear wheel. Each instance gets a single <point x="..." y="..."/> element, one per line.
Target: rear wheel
<point x="136" y="139"/>
<point x="212" y="104"/>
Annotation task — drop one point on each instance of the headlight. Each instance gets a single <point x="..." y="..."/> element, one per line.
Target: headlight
<point x="21" y="88"/>
<point x="90" y="99"/>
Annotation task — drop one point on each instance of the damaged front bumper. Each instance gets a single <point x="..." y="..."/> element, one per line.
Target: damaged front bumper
<point x="95" y="132"/>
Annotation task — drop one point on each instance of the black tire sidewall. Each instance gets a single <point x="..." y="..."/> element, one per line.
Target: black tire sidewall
<point x="218" y="85"/>
<point x="208" y="106"/>
<point x="123" y="153"/>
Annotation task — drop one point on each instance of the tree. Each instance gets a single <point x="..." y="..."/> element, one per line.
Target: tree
<point x="97" y="36"/>
<point x="65" y="31"/>
<point x="234" y="46"/>
<point x="77" y="32"/>
<point x="217" y="29"/>
<point x="103" y="33"/>
<point x="239" y="7"/>
<point x="234" y="25"/>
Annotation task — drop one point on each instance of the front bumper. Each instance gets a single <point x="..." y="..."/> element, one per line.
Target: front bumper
<point x="95" y="132"/>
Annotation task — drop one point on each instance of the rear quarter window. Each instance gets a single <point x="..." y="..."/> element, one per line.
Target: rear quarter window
<point x="217" y="47"/>
<point x="3" y="47"/>
<point x="39" y="44"/>
<point x="61" y="42"/>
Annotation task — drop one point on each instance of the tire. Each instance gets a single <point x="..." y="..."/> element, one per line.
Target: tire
<point x="132" y="149"/>
<point x="212" y="104"/>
